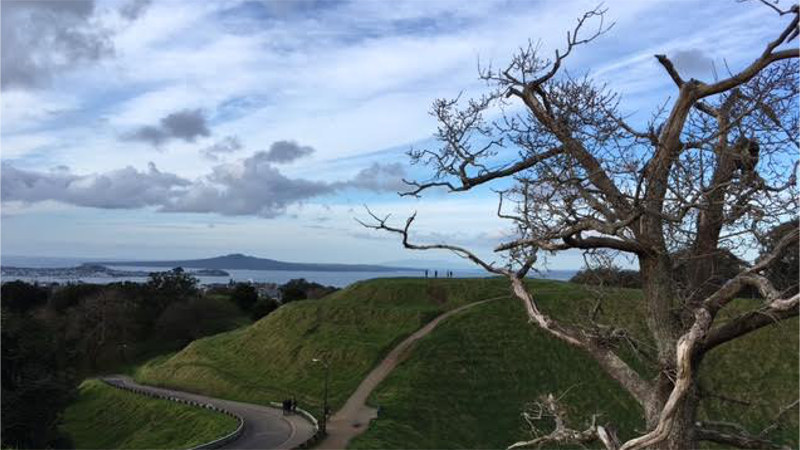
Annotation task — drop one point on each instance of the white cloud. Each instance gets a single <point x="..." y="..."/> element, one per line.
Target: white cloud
<point x="347" y="79"/>
<point x="250" y="186"/>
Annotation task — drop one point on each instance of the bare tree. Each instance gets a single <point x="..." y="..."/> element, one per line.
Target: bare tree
<point x="712" y="172"/>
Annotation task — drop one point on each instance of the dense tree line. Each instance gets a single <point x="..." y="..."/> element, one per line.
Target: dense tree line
<point x="54" y="336"/>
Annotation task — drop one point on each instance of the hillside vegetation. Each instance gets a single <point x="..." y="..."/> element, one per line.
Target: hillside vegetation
<point x="106" y="417"/>
<point x="351" y="329"/>
<point x="466" y="383"/>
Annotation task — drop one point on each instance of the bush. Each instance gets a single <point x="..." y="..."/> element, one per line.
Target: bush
<point x="613" y="276"/>
<point x="300" y="289"/>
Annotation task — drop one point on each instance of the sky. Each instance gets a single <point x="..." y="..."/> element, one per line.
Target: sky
<point x="172" y="129"/>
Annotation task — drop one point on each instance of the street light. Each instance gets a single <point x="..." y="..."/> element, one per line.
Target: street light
<point x="324" y="426"/>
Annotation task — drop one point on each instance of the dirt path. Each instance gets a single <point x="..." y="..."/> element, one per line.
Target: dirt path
<point x="354" y="417"/>
<point x="264" y="427"/>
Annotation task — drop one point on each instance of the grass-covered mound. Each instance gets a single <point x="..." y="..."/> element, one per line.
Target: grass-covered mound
<point x="351" y="329"/>
<point x="465" y="385"/>
<point x="105" y="417"/>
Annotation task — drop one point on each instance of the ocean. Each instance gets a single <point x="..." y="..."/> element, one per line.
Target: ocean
<point x="337" y="279"/>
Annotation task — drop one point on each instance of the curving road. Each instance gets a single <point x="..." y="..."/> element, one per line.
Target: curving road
<point x="267" y="428"/>
<point x="264" y="427"/>
<point x="355" y="416"/>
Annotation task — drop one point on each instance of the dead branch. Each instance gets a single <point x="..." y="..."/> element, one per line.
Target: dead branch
<point x="613" y="364"/>
<point x="776" y="421"/>
<point x="381" y="224"/>
<point x="549" y="407"/>
<point x="733" y="435"/>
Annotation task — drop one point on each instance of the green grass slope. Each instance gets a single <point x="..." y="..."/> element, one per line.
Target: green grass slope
<point x="104" y="417"/>
<point x="352" y="329"/>
<point x="466" y="383"/>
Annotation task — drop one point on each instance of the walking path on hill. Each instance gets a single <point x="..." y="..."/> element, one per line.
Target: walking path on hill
<point x="264" y="427"/>
<point x="354" y="417"/>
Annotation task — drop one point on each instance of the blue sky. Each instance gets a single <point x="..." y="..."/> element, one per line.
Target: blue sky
<point x="277" y="120"/>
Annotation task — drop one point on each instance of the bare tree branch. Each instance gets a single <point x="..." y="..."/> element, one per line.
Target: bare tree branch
<point x="613" y="364"/>
<point x="670" y="68"/>
<point x="549" y="407"/>
<point x="749" y="322"/>
<point x="739" y="439"/>
<point x="381" y="224"/>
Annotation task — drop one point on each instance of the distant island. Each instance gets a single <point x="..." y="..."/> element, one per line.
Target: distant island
<point x="91" y="270"/>
<point x="238" y="261"/>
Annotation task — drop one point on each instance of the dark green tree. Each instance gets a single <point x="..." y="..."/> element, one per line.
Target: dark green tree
<point x="37" y="383"/>
<point x="300" y="289"/>
<point x="245" y="296"/>
<point x="183" y="322"/>
<point x="294" y="290"/>
<point x="19" y="296"/>
<point x="164" y="288"/>
<point x="71" y="294"/>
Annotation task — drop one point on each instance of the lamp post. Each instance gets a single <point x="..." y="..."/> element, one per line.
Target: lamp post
<point x="324" y="425"/>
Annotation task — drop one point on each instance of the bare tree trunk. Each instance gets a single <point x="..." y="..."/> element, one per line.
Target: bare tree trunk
<point x="659" y="293"/>
<point x="664" y="326"/>
<point x="682" y="435"/>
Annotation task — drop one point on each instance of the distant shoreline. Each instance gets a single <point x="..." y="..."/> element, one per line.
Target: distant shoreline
<point x="90" y="271"/>
<point x="238" y="261"/>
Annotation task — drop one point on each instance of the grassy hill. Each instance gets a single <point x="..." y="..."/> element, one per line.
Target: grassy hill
<point x="466" y="383"/>
<point x="351" y="329"/>
<point x="106" y="417"/>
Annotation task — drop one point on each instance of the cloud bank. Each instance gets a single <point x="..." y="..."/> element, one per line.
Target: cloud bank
<point x="41" y="38"/>
<point x="118" y="189"/>
<point x="64" y="38"/>
<point x="252" y="186"/>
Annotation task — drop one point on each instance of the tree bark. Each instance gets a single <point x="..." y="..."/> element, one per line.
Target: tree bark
<point x="664" y="326"/>
<point x="682" y="436"/>
<point x="657" y="284"/>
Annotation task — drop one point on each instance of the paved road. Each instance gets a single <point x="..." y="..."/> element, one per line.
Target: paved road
<point x="264" y="427"/>
<point x="355" y="416"/>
